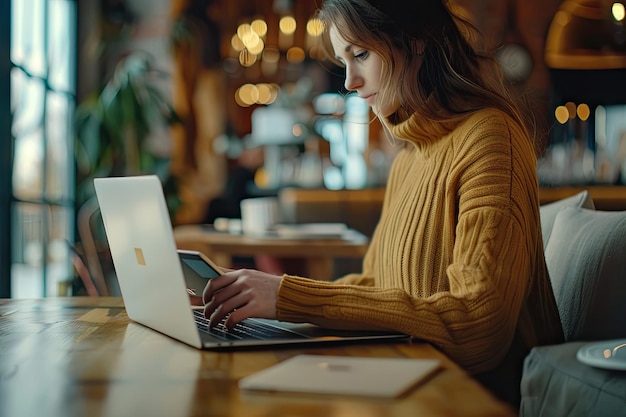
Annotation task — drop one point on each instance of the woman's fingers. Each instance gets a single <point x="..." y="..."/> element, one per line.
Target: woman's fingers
<point x="216" y="284"/>
<point x="234" y="308"/>
<point x="223" y="302"/>
<point x="241" y="294"/>
<point x="247" y="310"/>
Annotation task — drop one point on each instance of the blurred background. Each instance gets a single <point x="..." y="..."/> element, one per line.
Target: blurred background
<point x="229" y="99"/>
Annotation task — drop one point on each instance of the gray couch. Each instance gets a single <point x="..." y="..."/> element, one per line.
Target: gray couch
<point x="586" y="257"/>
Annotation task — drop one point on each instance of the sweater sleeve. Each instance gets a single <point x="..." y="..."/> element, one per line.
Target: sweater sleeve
<point x="473" y="316"/>
<point x="473" y="322"/>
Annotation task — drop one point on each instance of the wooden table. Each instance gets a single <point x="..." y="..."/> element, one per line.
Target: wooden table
<point x="317" y="255"/>
<point x="82" y="356"/>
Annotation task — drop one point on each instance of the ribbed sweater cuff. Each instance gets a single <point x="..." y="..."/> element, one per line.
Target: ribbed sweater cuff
<point x="295" y="302"/>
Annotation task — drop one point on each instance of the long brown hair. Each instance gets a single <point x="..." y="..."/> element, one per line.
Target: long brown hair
<point x="438" y="49"/>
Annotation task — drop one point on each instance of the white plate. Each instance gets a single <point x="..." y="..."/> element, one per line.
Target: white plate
<point x="600" y="355"/>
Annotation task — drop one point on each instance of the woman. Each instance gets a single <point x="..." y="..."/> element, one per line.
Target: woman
<point x="457" y="256"/>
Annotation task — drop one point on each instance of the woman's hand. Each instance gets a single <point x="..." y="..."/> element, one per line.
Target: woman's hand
<point x="242" y="293"/>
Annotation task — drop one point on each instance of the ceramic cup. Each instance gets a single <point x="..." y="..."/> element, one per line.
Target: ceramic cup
<point x="258" y="215"/>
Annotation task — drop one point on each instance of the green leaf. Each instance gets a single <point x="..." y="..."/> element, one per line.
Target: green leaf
<point x="112" y="127"/>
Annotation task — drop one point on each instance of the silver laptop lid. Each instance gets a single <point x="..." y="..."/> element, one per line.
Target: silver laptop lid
<point x="139" y="231"/>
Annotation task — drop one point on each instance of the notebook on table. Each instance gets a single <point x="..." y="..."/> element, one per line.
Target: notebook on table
<point x="341" y="375"/>
<point x="153" y="286"/>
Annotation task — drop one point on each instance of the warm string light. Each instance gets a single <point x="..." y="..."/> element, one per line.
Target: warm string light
<point x="249" y="45"/>
<point x="583" y="112"/>
<point x="574" y="118"/>
<point x="570" y="110"/>
<point x="561" y="114"/>
<point x="262" y="93"/>
<point x="618" y="11"/>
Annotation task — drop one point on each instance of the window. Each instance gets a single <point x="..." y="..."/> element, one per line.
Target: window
<point x="42" y="78"/>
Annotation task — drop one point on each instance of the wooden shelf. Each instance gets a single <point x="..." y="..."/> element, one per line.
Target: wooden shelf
<point x="605" y="197"/>
<point x="585" y="60"/>
<point x="360" y="209"/>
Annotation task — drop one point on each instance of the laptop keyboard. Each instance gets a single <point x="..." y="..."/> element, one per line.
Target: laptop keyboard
<point x="247" y="329"/>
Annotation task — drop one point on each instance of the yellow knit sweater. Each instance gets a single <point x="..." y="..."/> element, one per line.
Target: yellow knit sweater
<point x="457" y="256"/>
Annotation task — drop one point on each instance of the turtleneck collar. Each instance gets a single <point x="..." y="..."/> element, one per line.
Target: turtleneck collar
<point x="420" y="130"/>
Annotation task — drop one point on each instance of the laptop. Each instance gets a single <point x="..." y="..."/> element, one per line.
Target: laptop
<point x="153" y="286"/>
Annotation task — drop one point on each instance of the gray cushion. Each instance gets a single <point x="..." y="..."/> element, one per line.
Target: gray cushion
<point x="586" y="259"/>
<point x="556" y="384"/>
<point x="548" y="212"/>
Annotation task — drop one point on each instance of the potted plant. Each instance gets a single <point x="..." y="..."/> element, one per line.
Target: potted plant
<point x="114" y="129"/>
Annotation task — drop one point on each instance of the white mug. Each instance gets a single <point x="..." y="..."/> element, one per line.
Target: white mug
<point x="258" y="215"/>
